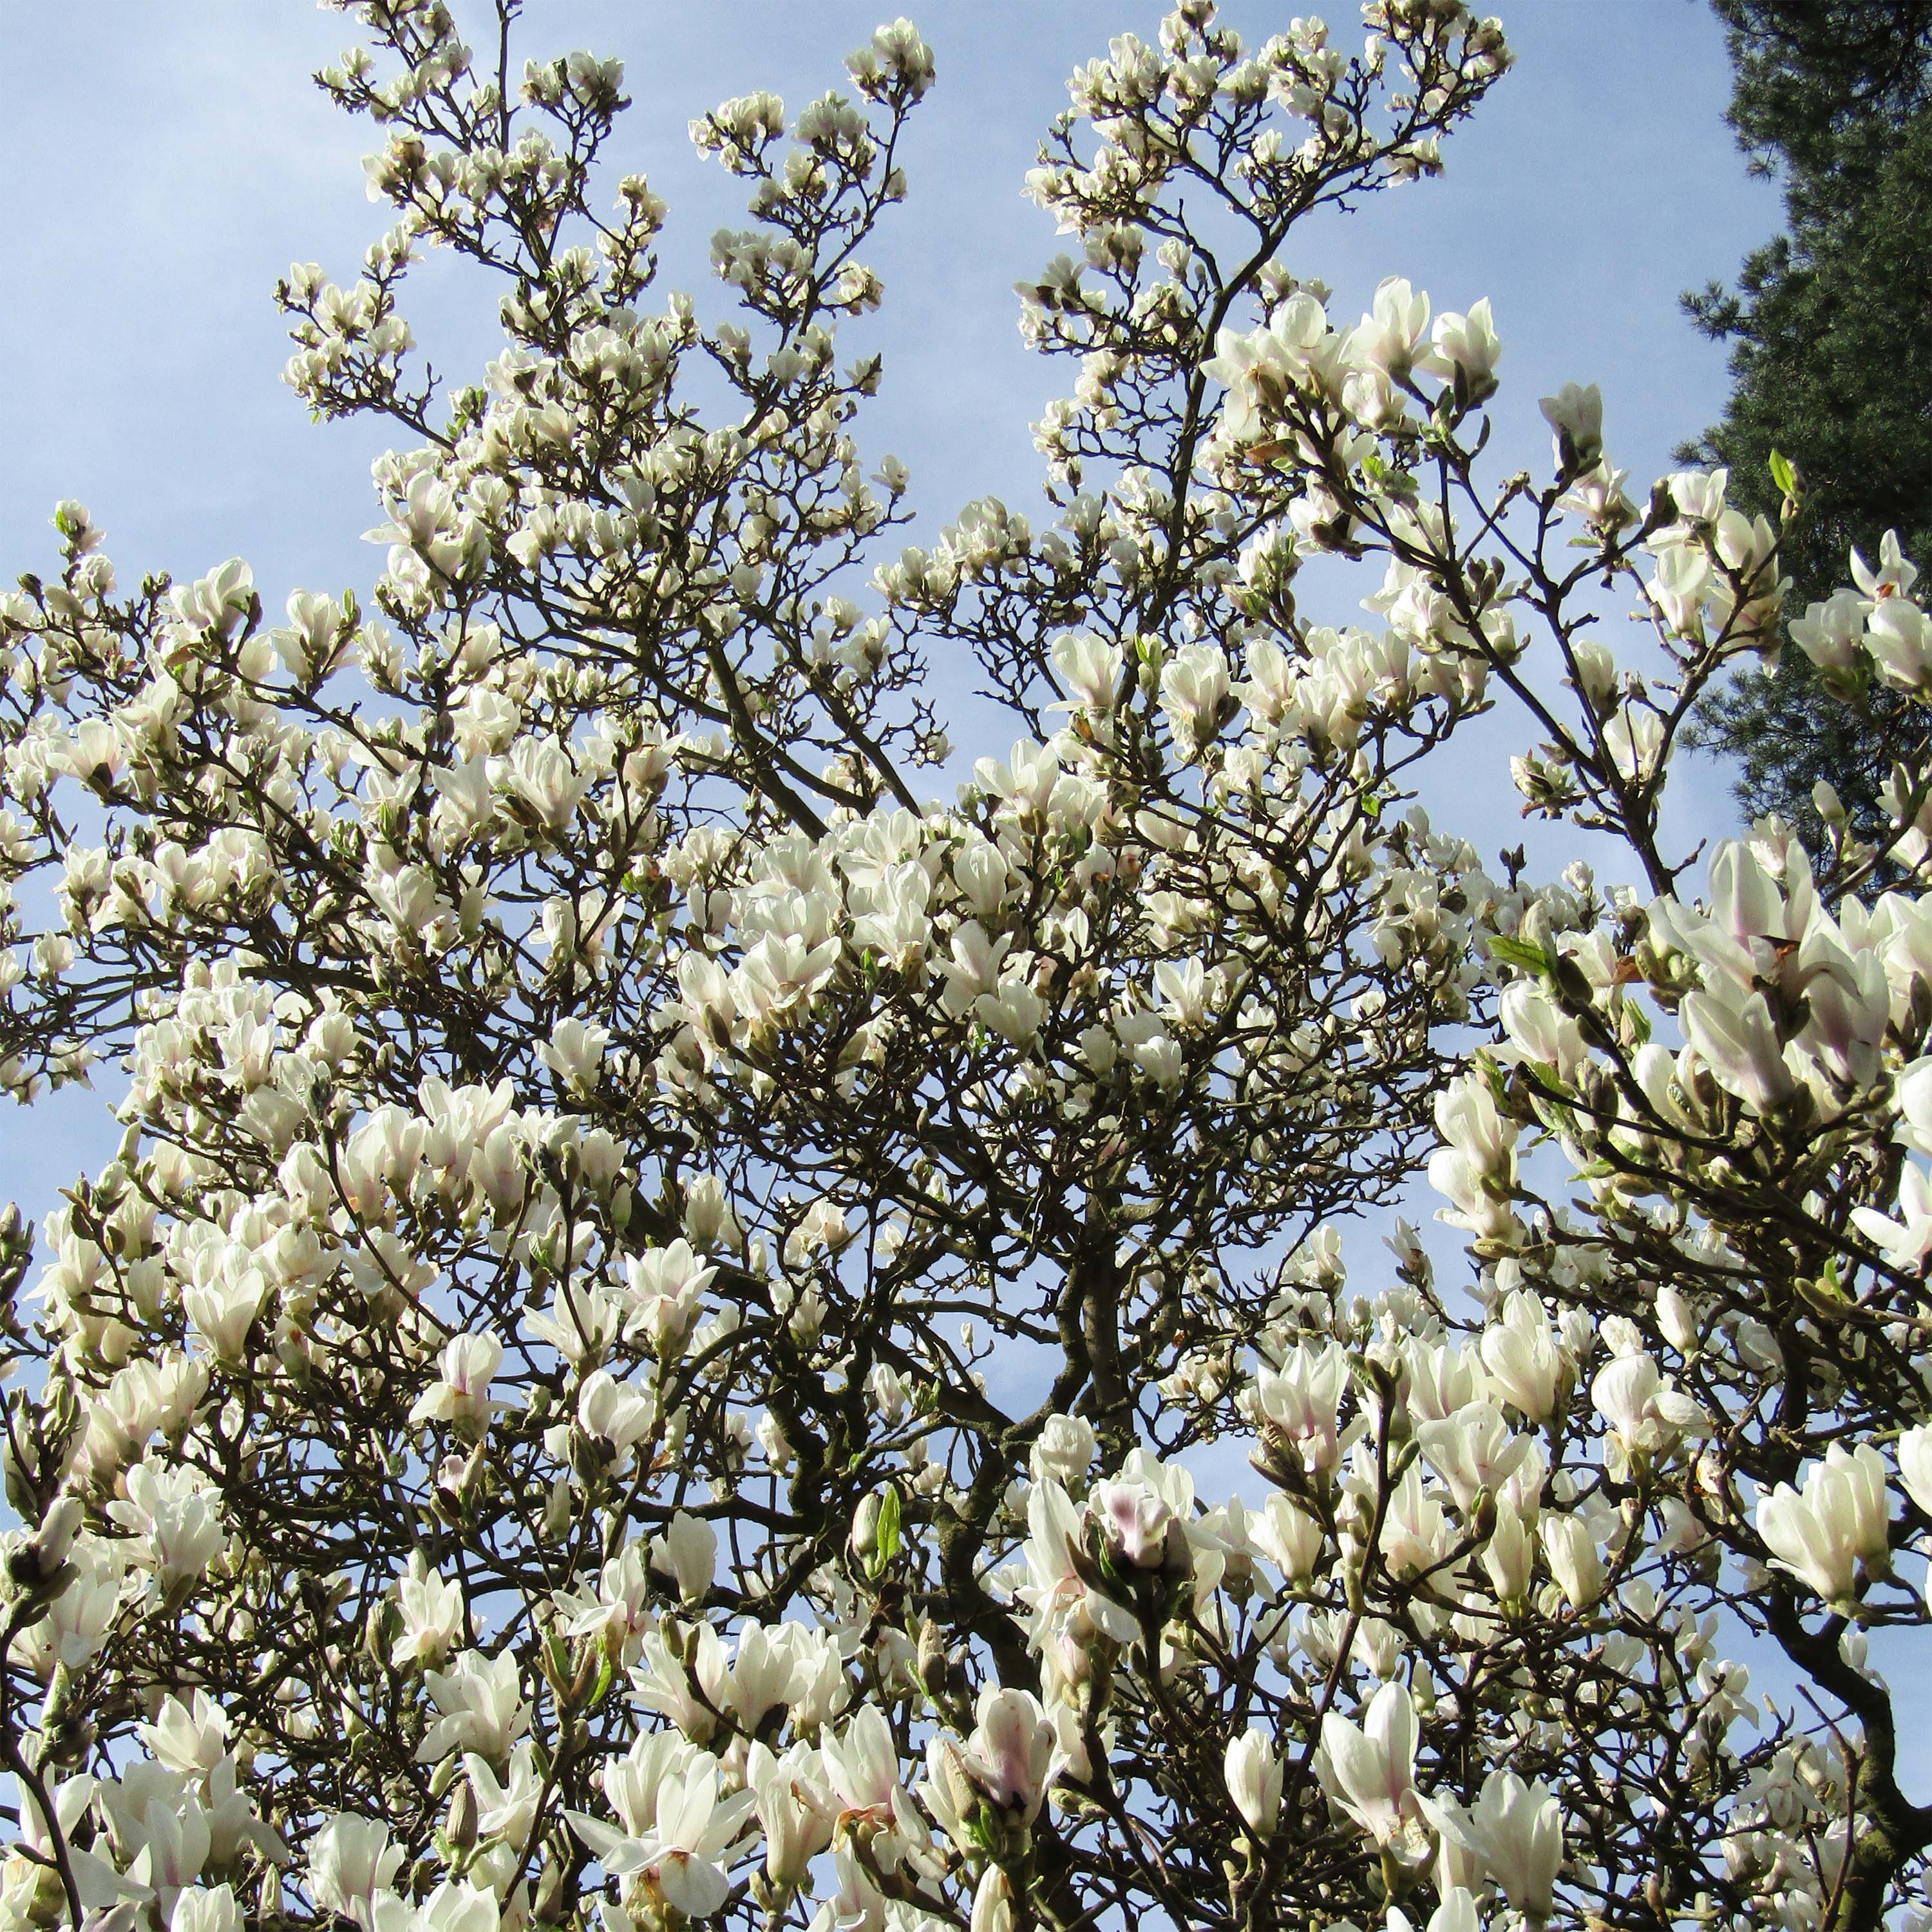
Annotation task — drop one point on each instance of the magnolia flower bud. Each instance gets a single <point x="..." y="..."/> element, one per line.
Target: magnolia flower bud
<point x="35" y="1563"/>
<point x="864" y="1538"/>
<point x="932" y="1663"/>
<point x="1509" y="1557"/>
<point x="1253" y="1773"/>
<point x="461" y="1828"/>
<point x="708" y="1222"/>
<point x="1571" y="1548"/>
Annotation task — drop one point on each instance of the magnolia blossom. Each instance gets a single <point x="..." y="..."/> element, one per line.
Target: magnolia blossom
<point x="1516" y="1831"/>
<point x="796" y="1812"/>
<point x="1576" y="414"/>
<point x="1476" y="1166"/>
<point x="350" y="1863"/>
<point x="1290" y="1538"/>
<point x="1012" y="1753"/>
<point x="1521" y="1353"/>
<point x="687" y="1551"/>
<point x="176" y="1517"/>
<point x="482" y="1705"/>
<point x="505" y="1808"/>
<point x="1915" y="1466"/>
<point x="1906" y="1237"/>
<point x="1370" y="1768"/>
<point x="1302" y="1400"/>
<point x="1064" y="1448"/>
<point x="432" y="1615"/>
<point x="1135" y="1521"/>
<point x="690" y="1829"/>
<point x="1254" y="1773"/>
<point x="461" y="1394"/>
<point x="1838" y="1523"/>
<point x="1473" y="1450"/>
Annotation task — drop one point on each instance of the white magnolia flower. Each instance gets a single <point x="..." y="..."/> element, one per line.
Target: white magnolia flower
<point x="1521" y="1355"/>
<point x="1915" y="1466"/>
<point x="1368" y="1769"/>
<point x="1570" y="1544"/>
<point x="1302" y="1400"/>
<point x="690" y="1830"/>
<point x="1515" y="1831"/>
<point x="461" y="1394"/>
<point x="200" y="1910"/>
<point x="1473" y="1450"/>
<point x="1013" y="1753"/>
<point x="1290" y="1538"/>
<point x="432" y="1614"/>
<point x="1907" y="1238"/>
<point x="686" y="1551"/>
<point x="1576" y="414"/>
<point x="1064" y="1448"/>
<point x="1253" y="1772"/>
<point x="175" y="1516"/>
<point x="1839" y="1522"/>
<point x="797" y="1813"/>
<point x="350" y="1863"/>
<point x="481" y="1701"/>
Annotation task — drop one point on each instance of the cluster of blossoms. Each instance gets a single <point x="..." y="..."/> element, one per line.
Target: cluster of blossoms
<point x="662" y="1340"/>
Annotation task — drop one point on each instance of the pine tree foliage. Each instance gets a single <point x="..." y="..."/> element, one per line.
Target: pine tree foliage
<point x="1831" y="325"/>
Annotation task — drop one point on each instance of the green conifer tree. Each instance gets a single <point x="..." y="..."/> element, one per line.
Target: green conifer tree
<point x="1831" y="329"/>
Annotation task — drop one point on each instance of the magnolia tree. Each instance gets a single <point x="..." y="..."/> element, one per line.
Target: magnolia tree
<point x="640" y="1358"/>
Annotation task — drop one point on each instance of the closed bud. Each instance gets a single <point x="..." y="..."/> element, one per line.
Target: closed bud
<point x="932" y="1662"/>
<point x="865" y="1536"/>
<point x="378" y="1632"/>
<point x="461" y="1828"/>
<point x="547" y="1907"/>
<point x="36" y="1564"/>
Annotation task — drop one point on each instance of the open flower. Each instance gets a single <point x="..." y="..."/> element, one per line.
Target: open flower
<point x="350" y="1863"/>
<point x="461" y="1394"/>
<point x="1368" y="1769"/>
<point x="481" y="1701"/>
<point x="1515" y="1831"/>
<point x="688" y="1831"/>
<point x="1839" y="1521"/>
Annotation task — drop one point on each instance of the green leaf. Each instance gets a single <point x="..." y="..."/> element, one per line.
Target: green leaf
<point x="1782" y="473"/>
<point x="1546" y="1078"/>
<point x="1521" y="954"/>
